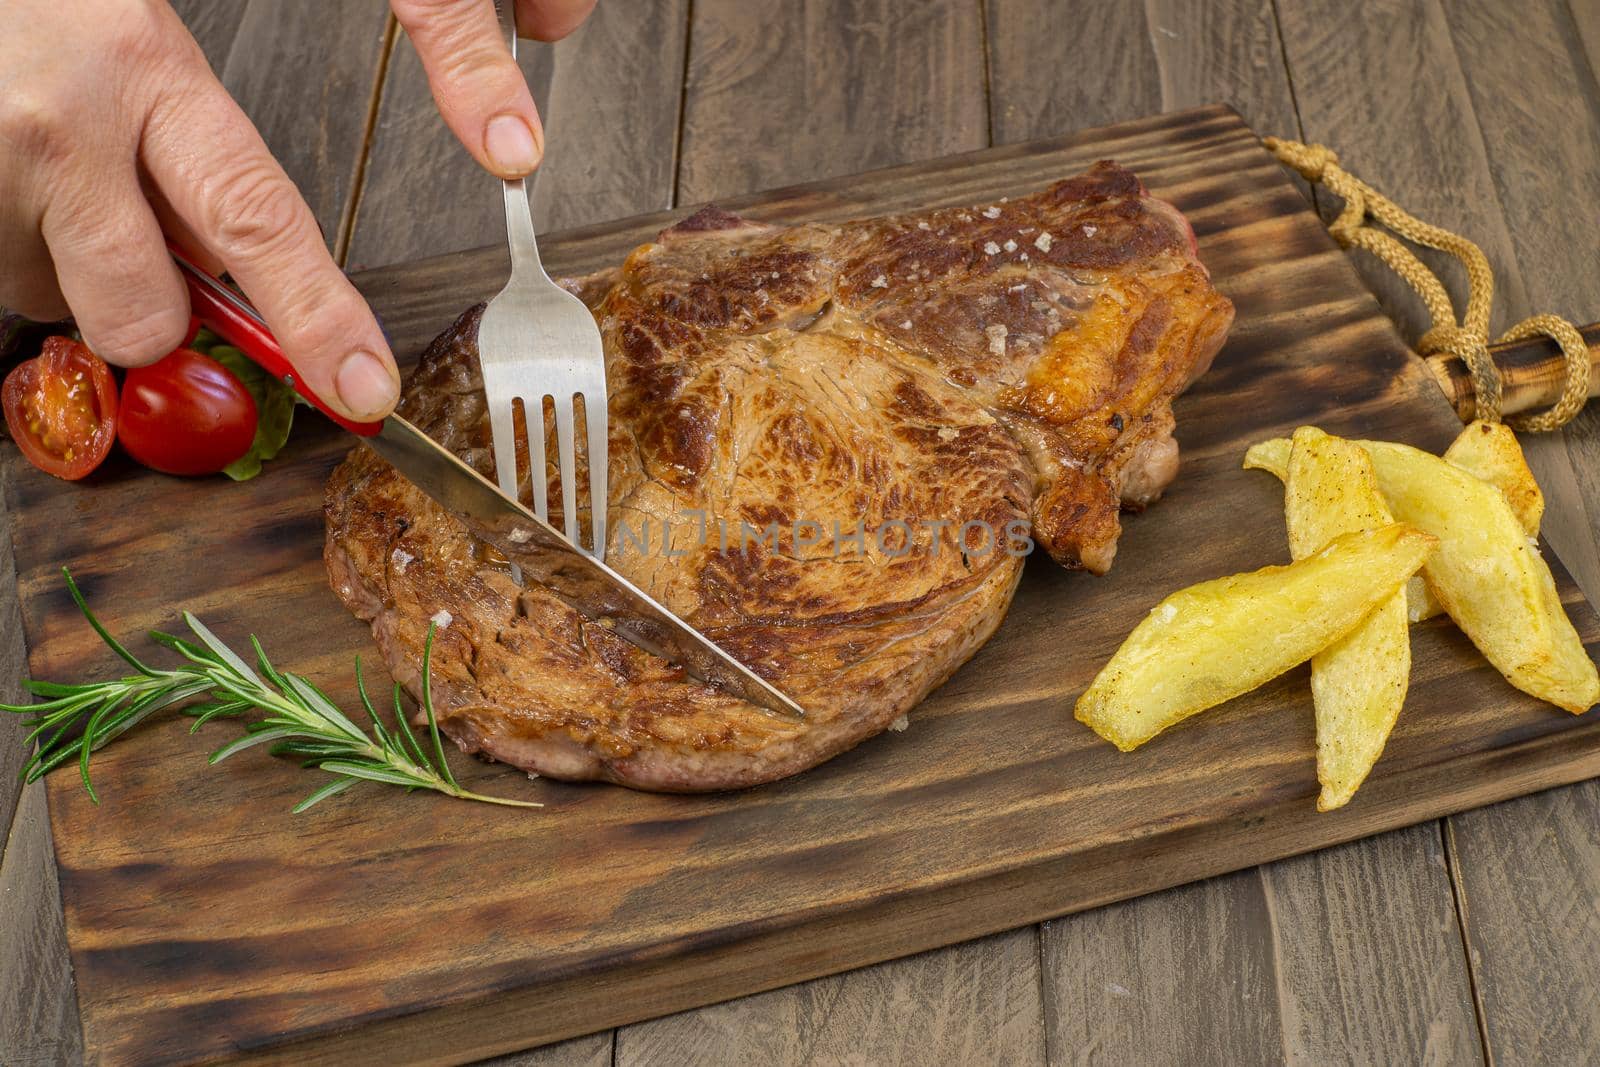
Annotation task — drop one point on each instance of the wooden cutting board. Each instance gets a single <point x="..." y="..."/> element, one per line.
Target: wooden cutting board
<point x="208" y="922"/>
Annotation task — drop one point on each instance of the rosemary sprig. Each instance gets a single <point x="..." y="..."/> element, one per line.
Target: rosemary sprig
<point x="74" y="721"/>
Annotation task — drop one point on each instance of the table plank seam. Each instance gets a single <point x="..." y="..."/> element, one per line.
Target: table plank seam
<point x="988" y="79"/>
<point x="347" y="218"/>
<point x="1294" y="104"/>
<point x="677" y="135"/>
<point x="1458" y="894"/>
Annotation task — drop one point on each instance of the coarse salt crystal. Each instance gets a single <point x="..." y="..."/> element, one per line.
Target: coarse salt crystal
<point x="924" y="226"/>
<point x="997" y="339"/>
<point x="948" y="433"/>
<point x="1089" y="230"/>
<point x="519" y="534"/>
<point x="906" y="325"/>
<point x="1043" y="242"/>
<point x="402" y="560"/>
<point x="991" y="248"/>
<point x="991" y="212"/>
<point x="1010" y="245"/>
<point x="442" y="619"/>
<point x="880" y="282"/>
<point x="899" y="725"/>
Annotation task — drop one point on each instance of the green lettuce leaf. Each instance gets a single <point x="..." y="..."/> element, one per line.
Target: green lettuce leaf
<point x="274" y="405"/>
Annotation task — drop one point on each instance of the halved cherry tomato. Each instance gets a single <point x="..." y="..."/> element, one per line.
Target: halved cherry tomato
<point x="185" y="414"/>
<point x="61" y="408"/>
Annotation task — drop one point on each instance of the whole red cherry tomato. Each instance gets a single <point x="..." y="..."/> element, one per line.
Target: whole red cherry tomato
<point x="185" y="414"/>
<point x="61" y="408"/>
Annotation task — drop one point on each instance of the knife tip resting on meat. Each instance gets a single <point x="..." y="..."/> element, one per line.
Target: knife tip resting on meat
<point x="830" y="447"/>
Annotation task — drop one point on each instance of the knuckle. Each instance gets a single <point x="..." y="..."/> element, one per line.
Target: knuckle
<point x="478" y="69"/>
<point x="78" y="227"/>
<point x="140" y="338"/>
<point x="320" y="322"/>
<point x="34" y="125"/>
<point x="431" y="15"/>
<point x="447" y="33"/>
<point x="254" y="210"/>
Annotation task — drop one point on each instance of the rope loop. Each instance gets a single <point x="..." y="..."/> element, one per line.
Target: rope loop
<point x="1468" y="339"/>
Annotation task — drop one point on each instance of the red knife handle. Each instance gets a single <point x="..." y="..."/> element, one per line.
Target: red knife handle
<point x="249" y="335"/>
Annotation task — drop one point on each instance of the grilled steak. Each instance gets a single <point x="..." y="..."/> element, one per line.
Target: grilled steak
<point x="829" y="445"/>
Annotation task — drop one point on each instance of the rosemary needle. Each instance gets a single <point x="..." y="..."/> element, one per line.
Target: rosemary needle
<point x="74" y="721"/>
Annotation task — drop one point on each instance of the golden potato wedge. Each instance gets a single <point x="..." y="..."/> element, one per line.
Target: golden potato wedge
<point x="1358" y="683"/>
<point x="1213" y="641"/>
<point x="1486" y="450"/>
<point x="1489" y="450"/>
<point x="1489" y="575"/>
<point x="1271" y="455"/>
<point x="1420" y="601"/>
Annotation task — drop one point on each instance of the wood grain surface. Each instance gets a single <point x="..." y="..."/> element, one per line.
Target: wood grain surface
<point x="1531" y="94"/>
<point x="992" y="811"/>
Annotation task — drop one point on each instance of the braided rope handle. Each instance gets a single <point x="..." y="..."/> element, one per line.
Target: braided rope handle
<point x="1468" y="339"/>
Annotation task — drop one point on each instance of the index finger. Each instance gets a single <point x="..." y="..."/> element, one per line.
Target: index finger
<point x="219" y="178"/>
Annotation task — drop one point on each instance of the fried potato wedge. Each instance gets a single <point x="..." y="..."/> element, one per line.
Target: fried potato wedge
<point x="1489" y="575"/>
<point x="1272" y="456"/>
<point x="1358" y="683"/>
<point x="1489" y="450"/>
<point x="1420" y="601"/>
<point x="1213" y="641"/>
<point x="1486" y="450"/>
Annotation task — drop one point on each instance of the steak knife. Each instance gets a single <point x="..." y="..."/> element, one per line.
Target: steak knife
<point x="579" y="579"/>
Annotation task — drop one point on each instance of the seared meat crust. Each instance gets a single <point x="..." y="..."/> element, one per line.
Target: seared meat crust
<point x="823" y="440"/>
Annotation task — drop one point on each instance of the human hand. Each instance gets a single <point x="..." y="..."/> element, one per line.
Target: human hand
<point x="113" y="128"/>
<point x="479" y="89"/>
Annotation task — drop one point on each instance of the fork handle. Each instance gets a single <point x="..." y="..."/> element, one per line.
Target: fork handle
<point x="519" y="231"/>
<point x="519" y="216"/>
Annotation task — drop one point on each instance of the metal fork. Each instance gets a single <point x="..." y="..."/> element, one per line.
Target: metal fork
<point x="537" y="340"/>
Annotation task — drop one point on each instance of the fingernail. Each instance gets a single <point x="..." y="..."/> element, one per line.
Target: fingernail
<point x="511" y="146"/>
<point x="366" y="385"/>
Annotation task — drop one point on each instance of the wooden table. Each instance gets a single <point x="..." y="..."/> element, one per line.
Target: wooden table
<point x="1470" y="938"/>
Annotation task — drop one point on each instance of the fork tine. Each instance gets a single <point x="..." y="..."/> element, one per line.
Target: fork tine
<point x="501" y="418"/>
<point x="594" y="420"/>
<point x="566" y="457"/>
<point x="533" y="416"/>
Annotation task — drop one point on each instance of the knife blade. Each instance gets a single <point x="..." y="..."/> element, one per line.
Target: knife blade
<point x="544" y="556"/>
